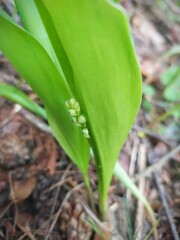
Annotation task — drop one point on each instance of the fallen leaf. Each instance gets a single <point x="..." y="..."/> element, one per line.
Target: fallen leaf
<point x="22" y="189"/>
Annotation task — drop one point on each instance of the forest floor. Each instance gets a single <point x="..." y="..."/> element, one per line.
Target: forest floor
<point x="42" y="195"/>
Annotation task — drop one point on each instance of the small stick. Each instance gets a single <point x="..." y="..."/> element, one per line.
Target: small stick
<point x="158" y="165"/>
<point x="166" y="207"/>
<point x="132" y="167"/>
<point x="101" y="225"/>
<point x="5" y="209"/>
<point x="141" y="185"/>
<point x="58" y="184"/>
<point x="173" y="6"/>
<point x="12" y="195"/>
<point x="12" y="114"/>
<point x="152" y="134"/>
<point x="36" y="121"/>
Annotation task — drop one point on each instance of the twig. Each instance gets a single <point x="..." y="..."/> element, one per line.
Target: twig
<point x="27" y="232"/>
<point x="36" y="121"/>
<point x="133" y="158"/>
<point x="5" y="209"/>
<point x="159" y="164"/>
<point x="93" y="217"/>
<point x="132" y="166"/>
<point x="173" y="6"/>
<point x="141" y="185"/>
<point x="13" y="198"/>
<point x="15" y="110"/>
<point x="166" y="207"/>
<point x="152" y="134"/>
<point x="58" y="184"/>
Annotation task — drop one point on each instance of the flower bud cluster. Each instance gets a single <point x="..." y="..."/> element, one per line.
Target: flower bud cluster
<point x="77" y="117"/>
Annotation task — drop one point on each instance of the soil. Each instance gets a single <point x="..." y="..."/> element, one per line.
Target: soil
<point x="42" y="195"/>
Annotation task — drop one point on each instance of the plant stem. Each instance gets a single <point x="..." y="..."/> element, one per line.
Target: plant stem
<point x="90" y="193"/>
<point x="103" y="205"/>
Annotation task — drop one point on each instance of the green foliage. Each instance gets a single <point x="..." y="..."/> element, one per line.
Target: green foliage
<point x="175" y="50"/>
<point x="103" y="65"/>
<point x="82" y="51"/>
<point x="34" y="64"/>
<point x="171" y="80"/>
<point x="17" y="96"/>
<point x="149" y="92"/>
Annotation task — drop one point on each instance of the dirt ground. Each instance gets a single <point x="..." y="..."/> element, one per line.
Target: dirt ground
<point x="42" y="195"/>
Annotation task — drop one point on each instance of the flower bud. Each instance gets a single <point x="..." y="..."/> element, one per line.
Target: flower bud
<point x="76" y="106"/>
<point x="72" y="102"/>
<point x="85" y="132"/>
<point x="72" y="112"/>
<point x="75" y="121"/>
<point x="81" y="119"/>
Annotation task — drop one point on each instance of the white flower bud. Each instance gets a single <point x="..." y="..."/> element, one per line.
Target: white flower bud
<point x="81" y="119"/>
<point x="75" y="121"/>
<point x="85" y="132"/>
<point x="72" y="102"/>
<point x="72" y="112"/>
<point x="76" y="106"/>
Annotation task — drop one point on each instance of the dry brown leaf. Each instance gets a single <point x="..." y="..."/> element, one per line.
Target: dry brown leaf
<point x="22" y="189"/>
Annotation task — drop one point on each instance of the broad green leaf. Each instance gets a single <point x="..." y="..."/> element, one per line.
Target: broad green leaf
<point x="34" y="25"/>
<point x="14" y="94"/>
<point x="50" y="33"/>
<point x="96" y="39"/>
<point x="33" y="63"/>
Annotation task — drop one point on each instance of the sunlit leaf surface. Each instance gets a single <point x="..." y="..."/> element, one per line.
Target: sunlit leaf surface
<point x="33" y="63"/>
<point x="96" y="39"/>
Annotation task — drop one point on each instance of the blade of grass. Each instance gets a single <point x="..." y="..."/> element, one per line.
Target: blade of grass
<point x="123" y="177"/>
<point x="15" y="95"/>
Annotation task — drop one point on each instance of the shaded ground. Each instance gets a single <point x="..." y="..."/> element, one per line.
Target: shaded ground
<point x="47" y="188"/>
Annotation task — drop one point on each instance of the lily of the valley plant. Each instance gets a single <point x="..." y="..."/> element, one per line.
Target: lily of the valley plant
<point x="79" y="58"/>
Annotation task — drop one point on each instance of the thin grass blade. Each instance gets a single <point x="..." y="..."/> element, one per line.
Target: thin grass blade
<point x="17" y="96"/>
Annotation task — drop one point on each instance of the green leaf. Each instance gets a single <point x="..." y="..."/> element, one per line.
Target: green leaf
<point x="14" y="94"/>
<point x="171" y="79"/>
<point x="96" y="39"/>
<point x="33" y="63"/>
<point x="149" y="91"/>
<point x="55" y="40"/>
<point x="175" y="50"/>
<point x="34" y="25"/>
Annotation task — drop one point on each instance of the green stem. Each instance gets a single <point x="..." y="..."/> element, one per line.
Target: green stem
<point x="103" y="204"/>
<point x="90" y="193"/>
